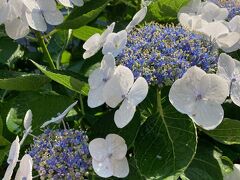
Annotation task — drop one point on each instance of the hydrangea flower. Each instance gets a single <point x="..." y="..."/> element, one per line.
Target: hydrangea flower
<point x="162" y="54"/>
<point x="59" y="154"/>
<point x="109" y="156"/>
<point x="233" y="6"/>
<point x="200" y="95"/>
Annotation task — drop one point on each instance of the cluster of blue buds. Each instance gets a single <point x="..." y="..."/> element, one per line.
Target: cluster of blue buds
<point x="233" y="6"/>
<point x="163" y="53"/>
<point x="61" y="154"/>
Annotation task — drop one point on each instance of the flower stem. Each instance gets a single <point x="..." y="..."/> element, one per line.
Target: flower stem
<point x="81" y="104"/>
<point x="45" y="50"/>
<point x="159" y="103"/>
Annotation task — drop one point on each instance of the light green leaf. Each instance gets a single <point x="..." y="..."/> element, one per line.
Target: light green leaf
<point x="228" y="132"/>
<point x="85" y="32"/>
<point x="165" y="146"/>
<point x="164" y="10"/>
<point x="64" y="79"/>
<point x="19" y="81"/>
<point x="83" y="15"/>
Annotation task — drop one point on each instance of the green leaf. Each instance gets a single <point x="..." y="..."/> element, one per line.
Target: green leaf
<point x="43" y="106"/>
<point x="19" y="81"/>
<point x="1" y="126"/>
<point x="13" y="122"/>
<point x="85" y="32"/>
<point x="228" y="132"/>
<point x="9" y="50"/>
<point x="81" y="16"/>
<point x="164" y="10"/>
<point x="58" y="44"/>
<point x="4" y="148"/>
<point x="3" y="142"/>
<point x="208" y="164"/>
<point x="64" y="79"/>
<point x="105" y="125"/>
<point x="165" y="146"/>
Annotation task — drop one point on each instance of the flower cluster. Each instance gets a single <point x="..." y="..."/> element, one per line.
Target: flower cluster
<point x="18" y="15"/>
<point x="233" y="6"/>
<point x="162" y="54"/>
<point x="211" y="20"/>
<point x="61" y="153"/>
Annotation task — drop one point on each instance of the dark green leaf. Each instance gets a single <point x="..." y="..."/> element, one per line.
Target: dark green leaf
<point x="165" y="146"/>
<point x="208" y="164"/>
<point x="43" y="107"/>
<point x="228" y="132"/>
<point x="9" y="50"/>
<point x="105" y="125"/>
<point x="58" y="44"/>
<point x="10" y="80"/>
<point x="66" y="80"/>
<point x="85" y="14"/>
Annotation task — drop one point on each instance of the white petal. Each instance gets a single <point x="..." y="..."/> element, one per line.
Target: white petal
<point x="120" y="168"/>
<point x="105" y="34"/>
<point x="25" y="168"/>
<point x="95" y="97"/>
<point x="118" y="86"/>
<point x="211" y="12"/>
<point x="9" y="171"/>
<point x="235" y="92"/>
<point x="31" y="5"/>
<point x="115" y="43"/>
<point x="108" y="65"/>
<point x="234" y="24"/>
<point x="116" y="146"/>
<point x="27" y="122"/>
<point x="138" y="92"/>
<point x="47" y="5"/>
<point x="66" y="3"/>
<point x="103" y="168"/>
<point x="226" y="66"/>
<point x="124" y="114"/>
<point x="207" y="115"/>
<point x="96" y="78"/>
<point x="36" y="20"/>
<point x="17" y="28"/>
<point x="192" y="22"/>
<point x="214" y="29"/>
<point x="214" y="88"/>
<point x="53" y="17"/>
<point x="98" y="149"/>
<point x="182" y="94"/>
<point x="227" y="41"/>
<point x="78" y="3"/>
<point x="92" y="45"/>
<point x="192" y="7"/>
<point x="137" y="18"/>
<point x="4" y="9"/>
<point x="14" y="151"/>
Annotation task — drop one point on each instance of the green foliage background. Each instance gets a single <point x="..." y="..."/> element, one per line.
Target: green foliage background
<point x="162" y="144"/>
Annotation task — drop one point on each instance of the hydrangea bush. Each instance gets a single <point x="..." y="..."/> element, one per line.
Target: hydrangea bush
<point x="123" y="89"/>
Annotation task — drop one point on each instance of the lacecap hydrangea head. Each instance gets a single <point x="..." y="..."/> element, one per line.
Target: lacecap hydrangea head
<point x="163" y="53"/>
<point x="233" y="6"/>
<point x="61" y="154"/>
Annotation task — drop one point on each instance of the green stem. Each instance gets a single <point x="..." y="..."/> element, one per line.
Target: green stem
<point x="45" y="50"/>
<point x="81" y="104"/>
<point x="159" y="103"/>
